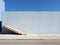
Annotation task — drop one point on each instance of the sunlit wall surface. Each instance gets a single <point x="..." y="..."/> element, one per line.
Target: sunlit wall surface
<point x="2" y="9"/>
<point x="33" y="22"/>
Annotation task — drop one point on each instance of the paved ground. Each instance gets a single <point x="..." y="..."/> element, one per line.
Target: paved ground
<point x="29" y="42"/>
<point x="30" y="36"/>
<point x="30" y="39"/>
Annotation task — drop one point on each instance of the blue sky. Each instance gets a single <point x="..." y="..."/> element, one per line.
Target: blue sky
<point x="32" y="5"/>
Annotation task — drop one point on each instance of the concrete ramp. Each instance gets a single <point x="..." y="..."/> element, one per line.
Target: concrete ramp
<point x="10" y="30"/>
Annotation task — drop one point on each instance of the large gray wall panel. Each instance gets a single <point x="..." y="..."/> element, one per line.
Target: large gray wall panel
<point x="33" y="22"/>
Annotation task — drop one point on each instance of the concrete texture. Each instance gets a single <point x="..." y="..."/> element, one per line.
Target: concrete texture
<point x="33" y="22"/>
<point x="11" y="30"/>
<point x="29" y="42"/>
<point x="30" y="36"/>
<point x="30" y="39"/>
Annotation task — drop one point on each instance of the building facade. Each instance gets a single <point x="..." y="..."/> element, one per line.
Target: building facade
<point x="33" y="22"/>
<point x="2" y="9"/>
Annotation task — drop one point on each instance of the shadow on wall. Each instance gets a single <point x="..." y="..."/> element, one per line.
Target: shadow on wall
<point x="0" y="26"/>
<point x="10" y="30"/>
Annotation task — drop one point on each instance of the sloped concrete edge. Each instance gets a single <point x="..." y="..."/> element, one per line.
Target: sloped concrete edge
<point x="13" y="30"/>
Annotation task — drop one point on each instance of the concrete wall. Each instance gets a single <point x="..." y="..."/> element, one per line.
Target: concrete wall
<point x="2" y="9"/>
<point x="33" y="22"/>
